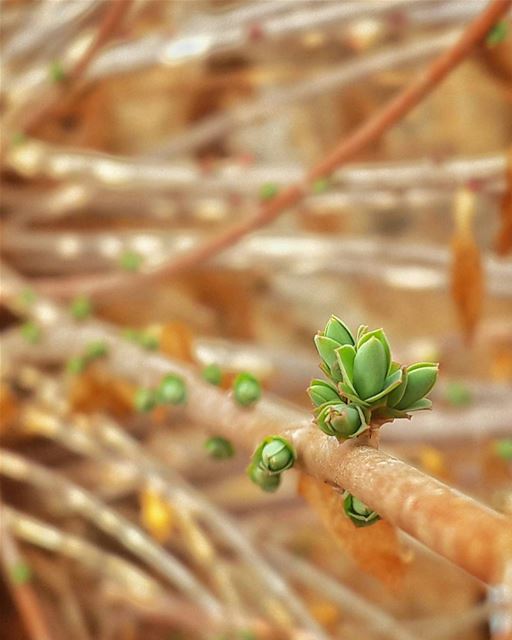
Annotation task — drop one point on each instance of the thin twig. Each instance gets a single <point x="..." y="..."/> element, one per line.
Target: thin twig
<point x="115" y="11"/>
<point x="348" y="148"/>
<point x="17" y="575"/>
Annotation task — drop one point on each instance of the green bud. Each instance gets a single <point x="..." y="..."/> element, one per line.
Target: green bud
<point x="219" y="448"/>
<point x="321" y="392"/>
<point x="31" y="332"/>
<point x="145" y="400"/>
<point x="27" y="297"/>
<point x="358" y="512"/>
<point x="370" y="368"/>
<point x="338" y="331"/>
<point x="130" y="261"/>
<point x="264" y="480"/>
<point x="457" y="394"/>
<point x="321" y="185"/>
<point x="497" y="34"/>
<point x="503" y="448"/>
<point x="81" y="307"/>
<point x="268" y="191"/>
<point x="149" y="341"/>
<point x="421" y="377"/>
<point x="246" y="389"/>
<point x="212" y="373"/>
<point x="275" y="455"/>
<point x="133" y="335"/>
<point x="77" y="365"/>
<point x="56" y="72"/>
<point x="341" y="420"/>
<point x="20" y="573"/>
<point x="172" y="390"/>
<point x="96" y="349"/>
<point x="18" y="138"/>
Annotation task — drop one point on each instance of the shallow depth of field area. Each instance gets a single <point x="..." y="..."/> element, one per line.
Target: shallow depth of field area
<point x="256" y="320"/>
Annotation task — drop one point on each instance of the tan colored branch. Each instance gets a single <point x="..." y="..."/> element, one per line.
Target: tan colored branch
<point x="457" y="527"/>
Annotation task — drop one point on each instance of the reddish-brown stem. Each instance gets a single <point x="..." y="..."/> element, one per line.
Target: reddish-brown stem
<point x="23" y="594"/>
<point x="370" y="131"/>
<point x="112" y="17"/>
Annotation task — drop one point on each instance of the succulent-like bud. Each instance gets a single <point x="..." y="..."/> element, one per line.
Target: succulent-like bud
<point x="321" y="392"/>
<point x="358" y="512"/>
<point x="338" y="331"/>
<point x="171" y="390"/>
<point x="275" y="455"/>
<point x="341" y="420"/>
<point x="370" y="368"/>
<point x="31" y="332"/>
<point x="145" y="400"/>
<point x="219" y="448"/>
<point x="81" y="308"/>
<point x="94" y="350"/>
<point x="421" y="377"/>
<point x="264" y="480"/>
<point x="246" y="389"/>
<point x="212" y="373"/>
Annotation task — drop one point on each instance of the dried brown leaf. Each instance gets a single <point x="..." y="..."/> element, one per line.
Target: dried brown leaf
<point x="467" y="271"/>
<point x="504" y="236"/>
<point x="376" y="549"/>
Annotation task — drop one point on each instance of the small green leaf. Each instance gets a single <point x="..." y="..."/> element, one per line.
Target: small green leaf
<point x="338" y="331"/>
<point x="421" y="377"/>
<point x="370" y="368"/>
<point x="321" y="392"/>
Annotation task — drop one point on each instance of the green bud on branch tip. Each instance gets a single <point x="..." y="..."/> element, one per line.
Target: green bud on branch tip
<point x="31" y="332"/>
<point x="212" y="373"/>
<point x="21" y="573"/>
<point x="81" y="308"/>
<point x="264" y="480"/>
<point x="172" y="390"/>
<point x="246" y="389"/>
<point x="145" y="400"/>
<point x="274" y="455"/>
<point x="219" y="448"/>
<point x="130" y="261"/>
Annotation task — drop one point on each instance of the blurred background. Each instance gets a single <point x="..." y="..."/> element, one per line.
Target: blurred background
<point x="133" y="132"/>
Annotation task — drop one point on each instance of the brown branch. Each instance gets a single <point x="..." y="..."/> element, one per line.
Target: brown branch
<point x="114" y="13"/>
<point x="22" y="592"/>
<point x="368" y="132"/>
<point x="457" y="527"/>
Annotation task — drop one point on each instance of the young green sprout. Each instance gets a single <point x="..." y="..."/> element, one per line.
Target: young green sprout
<point x="145" y="400"/>
<point x="364" y="389"/>
<point x="219" y="448"/>
<point x="358" y="512"/>
<point x="81" y="307"/>
<point x="212" y="373"/>
<point x="171" y="390"/>
<point x="273" y="456"/>
<point x="130" y="261"/>
<point x="31" y="332"/>
<point x="246" y="389"/>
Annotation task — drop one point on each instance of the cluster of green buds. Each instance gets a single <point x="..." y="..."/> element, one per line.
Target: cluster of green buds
<point x="93" y="351"/>
<point x="358" y="512"/>
<point x="273" y="456"/>
<point x="365" y="385"/>
<point x="171" y="390"/>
